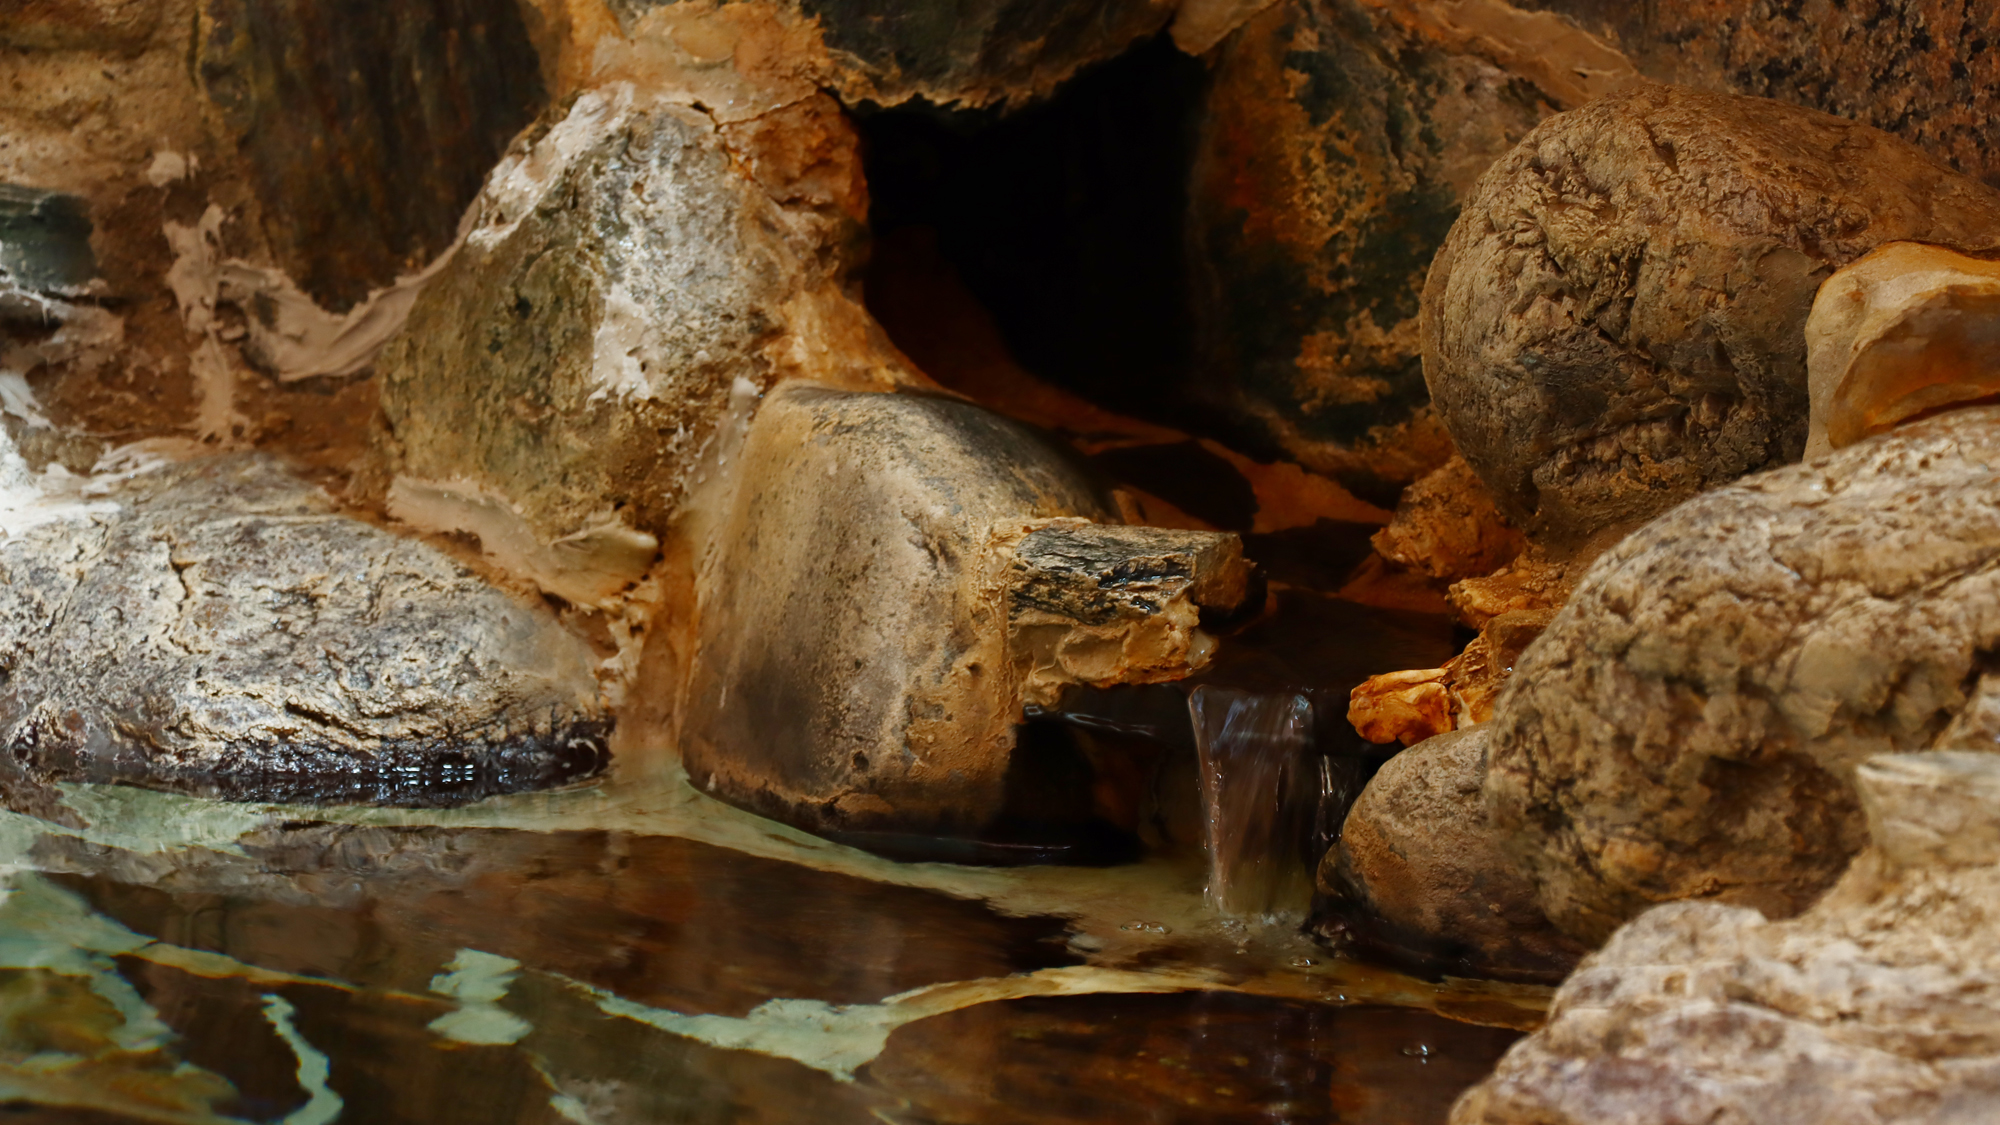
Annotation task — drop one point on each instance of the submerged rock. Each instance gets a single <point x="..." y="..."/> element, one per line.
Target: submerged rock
<point x="1689" y="724"/>
<point x="1907" y="329"/>
<point x="897" y="575"/>
<point x="1616" y="322"/>
<point x="1880" y="1004"/>
<point x="1419" y="874"/>
<point x="218" y="627"/>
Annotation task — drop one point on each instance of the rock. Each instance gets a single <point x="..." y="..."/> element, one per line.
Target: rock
<point x="1616" y="321"/>
<point x="1532" y="582"/>
<point x="1921" y="69"/>
<point x="1448" y="527"/>
<point x="1330" y="158"/>
<point x="1405" y="706"/>
<point x="1101" y="605"/>
<point x="366" y="132"/>
<point x="1477" y="675"/>
<point x="218" y="627"/>
<point x="1414" y="705"/>
<point x="1419" y="874"/>
<point x="1906" y="329"/>
<point x="1689" y="724"/>
<point x="44" y="252"/>
<point x="896" y="575"/>
<point x="557" y="386"/>
<point x="1878" y="1004"/>
<point x="1001" y="53"/>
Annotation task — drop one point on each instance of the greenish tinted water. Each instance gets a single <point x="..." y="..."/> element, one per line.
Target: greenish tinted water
<point x="634" y="952"/>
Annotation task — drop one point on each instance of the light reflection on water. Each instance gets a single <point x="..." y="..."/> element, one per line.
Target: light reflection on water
<point x="634" y="952"/>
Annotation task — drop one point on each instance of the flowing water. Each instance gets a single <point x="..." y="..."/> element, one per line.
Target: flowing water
<point x="631" y="951"/>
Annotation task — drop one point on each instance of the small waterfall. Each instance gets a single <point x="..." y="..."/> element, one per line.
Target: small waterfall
<point x="1261" y="779"/>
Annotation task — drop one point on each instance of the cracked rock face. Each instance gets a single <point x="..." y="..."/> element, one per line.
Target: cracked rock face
<point x="1616" y="320"/>
<point x="218" y="627"/>
<point x="1419" y="872"/>
<point x="897" y="575"/>
<point x="1690" y="723"/>
<point x="1880" y="1004"/>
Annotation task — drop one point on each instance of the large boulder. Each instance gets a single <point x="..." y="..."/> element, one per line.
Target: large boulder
<point x="1616" y="322"/>
<point x="895" y="579"/>
<point x="1419" y="874"/>
<point x="1880" y="1004"/>
<point x="1689" y="724"/>
<point x="629" y="267"/>
<point x="219" y="627"/>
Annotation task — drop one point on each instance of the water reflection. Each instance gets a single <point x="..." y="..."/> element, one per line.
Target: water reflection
<point x="178" y="962"/>
<point x="1182" y="1058"/>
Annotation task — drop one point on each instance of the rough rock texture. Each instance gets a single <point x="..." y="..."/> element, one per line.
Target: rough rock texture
<point x="1906" y="329"/>
<point x="1407" y="706"/>
<point x="1922" y="69"/>
<point x="555" y="387"/>
<point x="366" y="130"/>
<point x="1880" y="1004"/>
<point x="973" y="54"/>
<point x="1616" y="321"/>
<point x="1413" y="705"/>
<point x="218" y="627"/>
<point x="1329" y="162"/>
<point x="1100" y="605"/>
<point x="1689" y="725"/>
<point x="1448" y="527"/>
<point x="886" y="582"/>
<point x="1418" y="872"/>
<point x="1531" y="583"/>
<point x="1337" y="126"/>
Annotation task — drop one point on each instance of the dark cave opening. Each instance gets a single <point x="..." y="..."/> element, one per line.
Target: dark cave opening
<point x="1063" y="222"/>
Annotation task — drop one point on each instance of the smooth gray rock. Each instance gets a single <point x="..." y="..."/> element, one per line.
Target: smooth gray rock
<point x="218" y="627"/>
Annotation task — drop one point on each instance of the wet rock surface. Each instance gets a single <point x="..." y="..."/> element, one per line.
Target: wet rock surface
<point x="219" y="627"/>
<point x="1689" y="724"/>
<point x="897" y="576"/>
<point x="1877" y="1004"/>
<point x="1420" y="875"/>
<point x="1616" y="321"/>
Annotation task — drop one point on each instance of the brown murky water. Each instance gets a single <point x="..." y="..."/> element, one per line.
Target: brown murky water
<point x="635" y="953"/>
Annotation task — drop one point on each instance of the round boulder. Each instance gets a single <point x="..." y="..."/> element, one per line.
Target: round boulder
<point x="1420" y="875"/>
<point x="1616" y="320"/>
